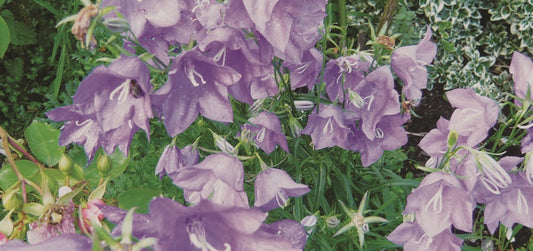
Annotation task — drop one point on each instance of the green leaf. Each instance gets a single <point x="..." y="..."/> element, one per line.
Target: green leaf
<point x="137" y="197"/>
<point x="5" y="38"/>
<point x="43" y="141"/>
<point x="21" y="33"/>
<point x="33" y="208"/>
<point x="27" y="168"/>
<point x="99" y="192"/>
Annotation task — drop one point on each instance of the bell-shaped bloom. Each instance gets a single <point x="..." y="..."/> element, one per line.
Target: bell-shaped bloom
<point x="512" y="205"/>
<point x="170" y="161"/>
<point x="412" y="237"/>
<point x="209" y="226"/>
<point x="440" y="201"/>
<point x="74" y="242"/>
<point x="306" y="74"/>
<point x="409" y="63"/>
<point x="229" y="47"/>
<point x="345" y="73"/>
<point x="475" y="115"/>
<point x="527" y="141"/>
<point x="390" y="135"/>
<point x="327" y="127"/>
<point x="219" y="178"/>
<point x="520" y="68"/>
<point x="160" y="14"/>
<point x="265" y="129"/>
<point x="379" y="99"/>
<point x="196" y="85"/>
<point x="273" y="187"/>
<point x="291" y="27"/>
<point x="110" y="105"/>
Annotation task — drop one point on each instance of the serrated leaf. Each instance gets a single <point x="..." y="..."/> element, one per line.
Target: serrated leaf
<point x="33" y="208"/>
<point x="5" y="37"/>
<point x="43" y="141"/>
<point x="27" y="168"/>
<point x="137" y="197"/>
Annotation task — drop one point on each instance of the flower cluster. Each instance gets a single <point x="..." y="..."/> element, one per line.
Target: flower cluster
<point x="463" y="176"/>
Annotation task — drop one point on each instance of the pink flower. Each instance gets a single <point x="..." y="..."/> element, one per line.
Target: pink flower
<point x="91" y="213"/>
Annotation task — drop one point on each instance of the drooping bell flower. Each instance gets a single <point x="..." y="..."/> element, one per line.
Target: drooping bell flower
<point x="219" y="178"/>
<point x="273" y="187"/>
<point x="412" y="237"/>
<point x="345" y="73"/>
<point x="409" y="63"/>
<point x="440" y="201"/>
<point x="196" y="85"/>
<point x="520" y="68"/>
<point x="306" y="74"/>
<point x="328" y="127"/>
<point x="474" y="116"/>
<point x="110" y="105"/>
<point x="265" y="129"/>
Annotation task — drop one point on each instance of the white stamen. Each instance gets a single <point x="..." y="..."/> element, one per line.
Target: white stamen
<point x="192" y="74"/>
<point x="197" y="236"/>
<point x="303" y="68"/>
<point x="123" y="90"/>
<point x="281" y="199"/>
<point x="435" y="201"/>
<point x="221" y="54"/>
<point x="129" y="124"/>
<point x="379" y="133"/>
<point x="260" y="135"/>
<point x="521" y="203"/>
<point x="83" y="123"/>
<point x="370" y="100"/>
<point x="328" y="127"/>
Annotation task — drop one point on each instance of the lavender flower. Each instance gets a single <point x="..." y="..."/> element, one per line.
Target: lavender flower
<point x="120" y="89"/>
<point x="74" y="242"/>
<point x="328" y="127"/>
<point x="266" y="131"/>
<point x="474" y="115"/>
<point x="409" y="63"/>
<point x="306" y="73"/>
<point x="219" y="177"/>
<point x="345" y="73"/>
<point x="196" y="84"/>
<point x="412" y="237"/>
<point x="169" y="162"/>
<point x="440" y="201"/>
<point x="511" y="205"/>
<point x="273" y="187"/>
<point x="520" y="68"/>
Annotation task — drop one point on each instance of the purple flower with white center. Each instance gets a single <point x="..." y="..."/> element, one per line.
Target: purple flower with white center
<point x="390" y="135"/>
<point x="327" y="127"/>
<point x="377" y="99"/>
<point x="475" y="115"/>
<point x="140" y="13"/>
<point x="527" y="141"/>
<point x="412" y="237"/>
<point x="409" y="63"/>
<point x="73" y="242"/>
<point x="196" y="85"/>
<point x="520" y="68"/>
<point x="306" y="74"/>
<point x="345" y="73"/>
<point x="440" y="201"/>
<point x="273" y="187"/>
<point x="290" y="230"/>
<point x="219" y="178"/>
<point x="169" y="162"/>
<point x="209" y="13"/>
<point x="511" y="206"/>
<point x="229" y="47"/>
<point x="120" y="89"/>
<point x="266" y="131"/>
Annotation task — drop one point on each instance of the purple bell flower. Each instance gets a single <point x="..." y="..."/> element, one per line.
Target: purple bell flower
<point x="440" y="201"/>
<point x="74" y="242"/>
<point x="409" y="63"/>
<point x="196" y="85"/>
<point x="273" y="187"/>
<point x="412" y="237"/>
<point x="520" y="68"/>
<point x="345" y="73"/>
<point x="328" y="127"/>
<point x="219" y="178"/>
<point x="306" y="74"/>
<point x="266" y="131"/>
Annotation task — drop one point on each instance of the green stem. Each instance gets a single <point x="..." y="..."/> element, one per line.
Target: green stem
<point x="342" y="13"/>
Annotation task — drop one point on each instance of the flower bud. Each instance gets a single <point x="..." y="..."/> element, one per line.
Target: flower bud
<point x="65" y="164"/>
<point x="303" y="105"/>
<point x="103" y="165"/>
<point x="295" y="127"/>
<point x="356" y="99"/>
<point x="117" y="25"/>
<point x="12" y="200"/>
<point x="452" y="139"/>
<point x="332" y="222"/>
